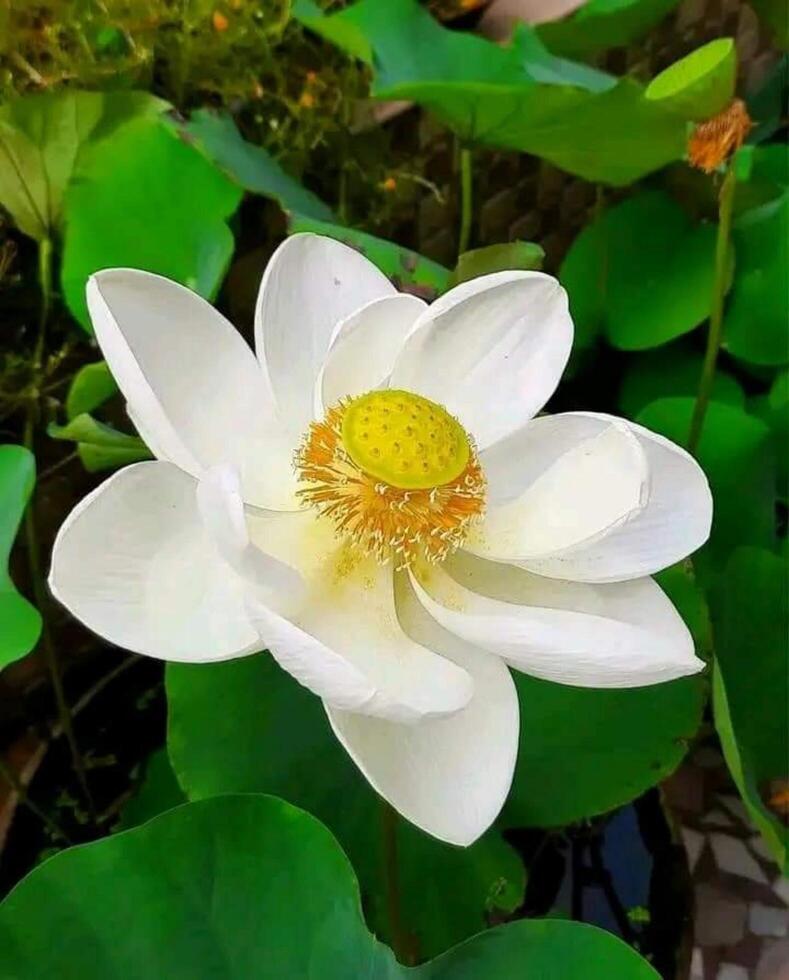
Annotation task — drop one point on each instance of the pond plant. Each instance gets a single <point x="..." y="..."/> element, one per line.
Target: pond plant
<point x="455" y="544"/>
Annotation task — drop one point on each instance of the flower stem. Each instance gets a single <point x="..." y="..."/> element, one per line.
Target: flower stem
<point x="466" y="198"/>
<point x="715" y="335"/>
<point x="20" y="789"/>
<point x="31" y="535"/>
<point x="397" y="933"/>
<point x="45" y="285"/>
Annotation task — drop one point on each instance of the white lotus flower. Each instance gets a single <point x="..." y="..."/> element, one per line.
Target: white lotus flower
<point x="432" y="534"/>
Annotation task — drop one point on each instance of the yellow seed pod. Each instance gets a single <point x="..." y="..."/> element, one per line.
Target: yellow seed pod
<point x="404" y="439"/>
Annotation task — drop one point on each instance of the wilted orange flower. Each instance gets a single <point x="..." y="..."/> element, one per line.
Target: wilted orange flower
<point x="220" y="22"/>
<point x="389" y="184"/>
<point x="713" y="141"/>
<point x="779" y="798"/>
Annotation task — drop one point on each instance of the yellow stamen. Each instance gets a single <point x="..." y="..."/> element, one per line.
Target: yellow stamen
<point x="397" y="475"/>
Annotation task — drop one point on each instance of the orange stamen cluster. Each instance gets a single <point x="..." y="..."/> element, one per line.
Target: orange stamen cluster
<point x="385" y="521"/>
<point x="713" y="141"/>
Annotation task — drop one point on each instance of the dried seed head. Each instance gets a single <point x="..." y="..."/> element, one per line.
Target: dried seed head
<point x="713" y="141"/>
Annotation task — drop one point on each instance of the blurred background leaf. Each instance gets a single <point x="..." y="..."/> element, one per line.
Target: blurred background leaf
<point x="90" y="387"/>
<point x="216" y="136"/>
<point x="519" y="97"/>
<point x="497" y="258"/>
<point x="736" y="453"/>
<point x="600" y="24"/>
<point x="42" y="138"/>
<point x="755" y="326"/>
<point x="670" y="371"/>
<point x="641" y="274"/>
<point x="751" y="620"/>
<point x="175" y="206"/>
<point x="100" y="446"/>
<point x="20" y="622"/>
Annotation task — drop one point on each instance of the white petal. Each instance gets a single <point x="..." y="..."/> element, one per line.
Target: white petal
<point x="194" y="388"/>
<point x="133" y="562"/>
<point x="364" y="348"/>
<point x="673" y="522"/>
<point x="592" y="488"/>
<point x="491" y="351"/>
<point x="622" y="635"/>
<point x="221" y="508"/>
<point x="345" y="642"/>
<point x="311" y="283"/>
<point x="449" y="776"/>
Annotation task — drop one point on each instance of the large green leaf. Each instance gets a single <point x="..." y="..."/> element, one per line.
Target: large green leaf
<point x="751" y="619"/>
<point x="243" y="887"/>
<point x="519" y="97"/>
<point x="246" y="726"/>
<point x="600" y="24"/>
<point x="670" y="371"/>
<point x="148" y="200"/>
<point x="236" y="887"/>
<point x="20" y="623"/>
<point x="735" y="452"/>
<point x="758" y="312"/>
<point x="407" y="269"/>
<point x="41" y="141"/>
<point x="642" y="273"/>
<point x="250" y="166"/>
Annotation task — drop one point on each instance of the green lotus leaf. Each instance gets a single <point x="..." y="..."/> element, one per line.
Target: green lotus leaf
<point x="248" y="886"/>
<point x="20" y="622"/>
<point x="701" y="84"/>
<point x="42" y="140"/>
